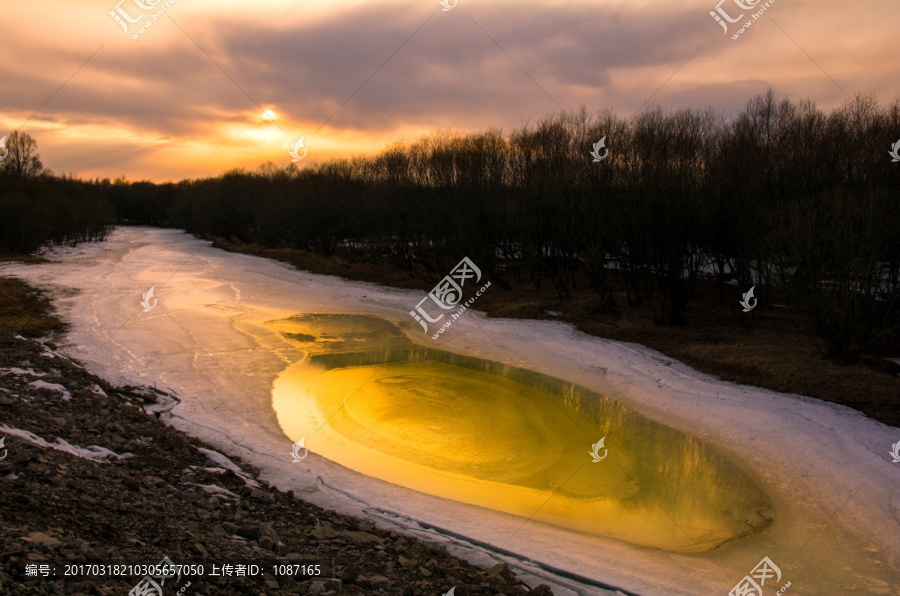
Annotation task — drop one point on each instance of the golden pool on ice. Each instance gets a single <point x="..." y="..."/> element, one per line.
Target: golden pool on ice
<point x="504" y="438"/>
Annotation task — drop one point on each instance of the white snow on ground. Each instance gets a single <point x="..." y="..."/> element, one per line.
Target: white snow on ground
<point x="53" y="387"/>
<point x="217" y="490"/>
<point x="835" y="494"/>
<point x="217" y="458"/>
<point x="21" y="371"/>
<point x="93" y="453"/>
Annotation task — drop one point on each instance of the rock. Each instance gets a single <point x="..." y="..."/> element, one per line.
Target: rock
<point x="153" y="482"/>
<point x="268" y="532"/>
<point x="230" y="528"/>
<point x="349" y="575"/>
<point x="249" y="532"/>
<point x="178" y="441"/>
<point x="404" y="562"/>
<point x="42" y="539"/>
<point x="260" y="496"/>
<point x="12" y="553"/>
<point x="363" y="537"/>
<point x="542" y="590"/>
<point x="501" y="571"/>
<point x="376" y="582"/>
<point x="424" y="572"/>
<point x="266" y="543"/>
<point x="324" y="533"/>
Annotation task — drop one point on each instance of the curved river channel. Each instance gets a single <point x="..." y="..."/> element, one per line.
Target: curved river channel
<point x="504" y="438"/>
<point x="481" y="441"/>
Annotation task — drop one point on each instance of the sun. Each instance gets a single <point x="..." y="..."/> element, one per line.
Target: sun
<point x="269" y="114"/>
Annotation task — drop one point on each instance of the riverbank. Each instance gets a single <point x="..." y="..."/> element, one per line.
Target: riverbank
<point x="774" y="348"/>
<point x="92" y="474"/>
<point x="213" y="338"/>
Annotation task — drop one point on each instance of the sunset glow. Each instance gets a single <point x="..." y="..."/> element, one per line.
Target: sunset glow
<point x="212" y="86"/>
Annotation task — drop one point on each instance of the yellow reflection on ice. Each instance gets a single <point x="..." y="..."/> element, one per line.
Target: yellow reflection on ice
<point x="503" y="438"/>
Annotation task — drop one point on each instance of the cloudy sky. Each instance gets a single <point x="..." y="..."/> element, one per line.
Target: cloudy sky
<point x="197" y="92"/>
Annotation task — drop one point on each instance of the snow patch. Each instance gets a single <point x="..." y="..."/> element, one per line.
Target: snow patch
<point x="223" y="462"/>
<point x="93" y="452"/>
<point x="21" y="371"/>
<point x="214" y="489"/>
<point x="53" y="386"/>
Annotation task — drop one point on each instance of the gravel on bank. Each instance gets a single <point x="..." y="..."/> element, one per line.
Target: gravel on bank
<point x="90" y="477"/>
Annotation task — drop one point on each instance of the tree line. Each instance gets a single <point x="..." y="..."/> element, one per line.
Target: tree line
<point x="38" y="209"/>
<point x="800" y="203"/>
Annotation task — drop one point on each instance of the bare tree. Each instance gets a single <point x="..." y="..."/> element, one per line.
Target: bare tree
<point x="22" y="161"/>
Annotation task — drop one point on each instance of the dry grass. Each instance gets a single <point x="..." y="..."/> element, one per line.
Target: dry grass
<point x="23" y="309"/>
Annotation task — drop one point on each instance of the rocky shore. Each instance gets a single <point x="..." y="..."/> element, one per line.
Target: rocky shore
<point x="92" y="477"/>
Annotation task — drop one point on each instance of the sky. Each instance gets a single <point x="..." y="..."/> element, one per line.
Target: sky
<point x="213" y="85"/>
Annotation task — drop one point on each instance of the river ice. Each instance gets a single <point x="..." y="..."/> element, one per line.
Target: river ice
<point x="835" y="493"/>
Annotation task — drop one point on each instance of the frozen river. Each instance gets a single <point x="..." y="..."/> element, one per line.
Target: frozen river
<point x="480" y="440"/>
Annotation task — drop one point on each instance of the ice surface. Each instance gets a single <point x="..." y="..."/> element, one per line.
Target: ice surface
<point x="825" y="468"/>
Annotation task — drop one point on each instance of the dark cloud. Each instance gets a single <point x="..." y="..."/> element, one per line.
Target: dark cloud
<point x="481" y="65"/>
